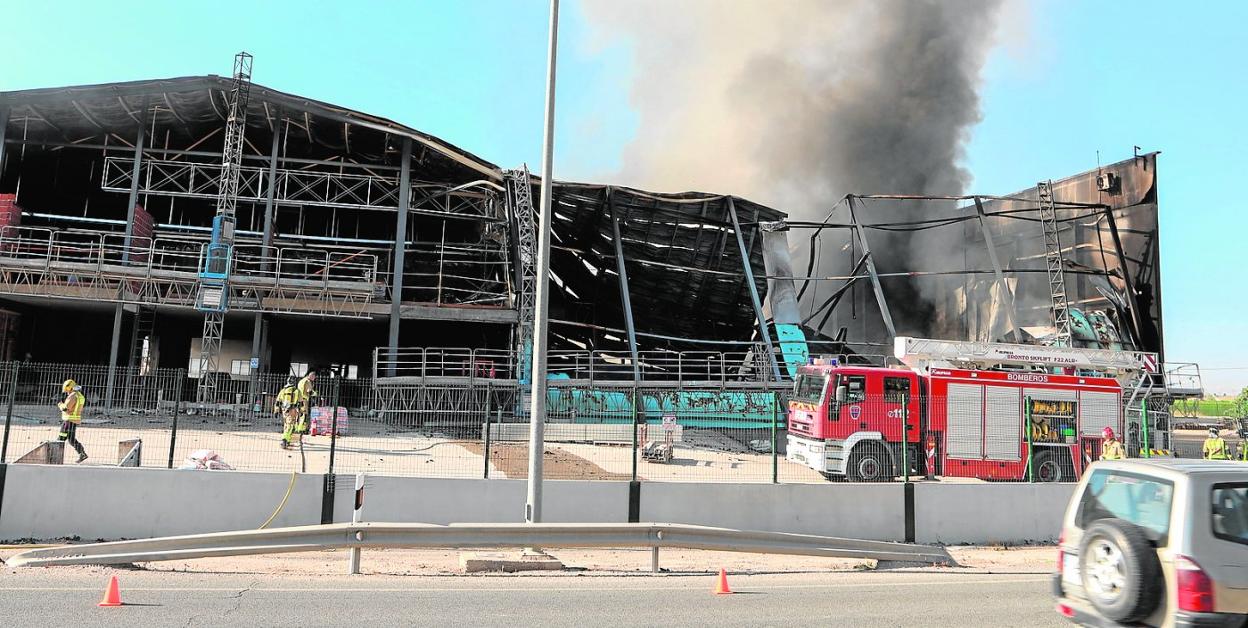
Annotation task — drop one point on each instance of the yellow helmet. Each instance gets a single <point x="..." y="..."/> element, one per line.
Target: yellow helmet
<point x="68" y="385"/>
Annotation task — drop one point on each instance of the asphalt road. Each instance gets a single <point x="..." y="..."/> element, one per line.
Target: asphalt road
<point x="68" y="596"/>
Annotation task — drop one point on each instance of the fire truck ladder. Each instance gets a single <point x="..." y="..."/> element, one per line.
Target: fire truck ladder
<point x="1053" y="262"/>
<point x="213" y="297"/>
<point x="520" y="202"/>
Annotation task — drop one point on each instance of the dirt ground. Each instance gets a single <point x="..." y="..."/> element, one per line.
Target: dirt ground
<point x="395" y="562"/>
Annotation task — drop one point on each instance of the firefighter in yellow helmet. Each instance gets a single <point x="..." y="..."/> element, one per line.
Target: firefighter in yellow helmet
<point x="288" y="406"/>
<point x="1214" y="447"/>
<point x="71" y="416"/>
<point x="1111" y="447"/>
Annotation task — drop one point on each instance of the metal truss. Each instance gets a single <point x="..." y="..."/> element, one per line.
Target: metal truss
<point x="520" y="206"/>
<point x="153" y="287"/>
<point x="447" y="402"/>
<point x="187" y="179"/>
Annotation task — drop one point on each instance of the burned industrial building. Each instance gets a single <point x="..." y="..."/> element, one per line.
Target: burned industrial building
<point x="108" y="195"/>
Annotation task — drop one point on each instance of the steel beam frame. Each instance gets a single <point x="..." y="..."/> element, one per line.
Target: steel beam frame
<point x="1006" y="294"/>
<point x="625" y="301"/>
<point x="400" y="244"/>
<point x="885" y="313"/>
<point x="189" y="179"/>
<point x="118" y="310"/>
<point x="754" y="299"/>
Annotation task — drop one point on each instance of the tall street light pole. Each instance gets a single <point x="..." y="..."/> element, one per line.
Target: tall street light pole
<point x="541" y="308"/>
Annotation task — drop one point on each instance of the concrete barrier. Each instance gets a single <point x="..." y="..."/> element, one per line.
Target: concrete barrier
<point x="989" y="513"/>
<point x="859" y="511"/>
<point x="49" y="502"/>
<point x="425" y="500"/>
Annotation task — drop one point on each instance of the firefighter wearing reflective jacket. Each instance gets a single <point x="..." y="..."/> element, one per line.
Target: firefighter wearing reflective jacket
<point x="1111" y="447"/>
<point x="307" y="394"/>
<point x="1215" y="447"/>
<point x="289" y="405"/>
<point x="71" y="416"/>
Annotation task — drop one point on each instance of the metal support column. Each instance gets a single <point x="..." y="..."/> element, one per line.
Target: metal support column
<point x="875" y="276"/>
<point x="541" y="309"/>
<point x="749" y="281"/>
<point x="400" y="245"/>
<point x="625" y="301"/>
<point x="258" y="324"/>
<point x="118" y="310"/>
<point x="4" y="127"/>
<point x="1006" y="294"/>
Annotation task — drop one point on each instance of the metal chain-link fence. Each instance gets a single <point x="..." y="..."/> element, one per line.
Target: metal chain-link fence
<point x="452" y="426"/>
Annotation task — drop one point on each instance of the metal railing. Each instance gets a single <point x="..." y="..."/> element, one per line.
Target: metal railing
<point x="656" y="367"/>
<point x="475" y="535"/>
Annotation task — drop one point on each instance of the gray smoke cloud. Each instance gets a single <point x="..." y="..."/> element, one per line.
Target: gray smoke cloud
<point x="795" y="103"/>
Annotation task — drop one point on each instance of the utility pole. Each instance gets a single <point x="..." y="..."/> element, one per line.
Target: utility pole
<point x="537" y="413"/>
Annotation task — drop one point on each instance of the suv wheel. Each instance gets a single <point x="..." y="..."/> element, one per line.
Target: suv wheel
<point x="1120" y="571"/>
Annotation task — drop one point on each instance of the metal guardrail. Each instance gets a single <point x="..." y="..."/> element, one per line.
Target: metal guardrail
<point x="474" y="535"/>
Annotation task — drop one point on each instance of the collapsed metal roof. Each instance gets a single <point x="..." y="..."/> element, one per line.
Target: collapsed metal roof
<point x="683" y="263"/>
<point x="194" y="105"/>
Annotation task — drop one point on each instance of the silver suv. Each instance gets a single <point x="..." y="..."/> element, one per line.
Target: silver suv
<point x="1159" y="542"/>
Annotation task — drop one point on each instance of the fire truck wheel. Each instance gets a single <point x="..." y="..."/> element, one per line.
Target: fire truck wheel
<point x="870" y="463"/>
<point x="1120" y="571"/>
<point x="1048" y="467"/>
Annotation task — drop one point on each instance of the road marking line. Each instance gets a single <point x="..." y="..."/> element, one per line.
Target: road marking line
<point x="846" y="585"/>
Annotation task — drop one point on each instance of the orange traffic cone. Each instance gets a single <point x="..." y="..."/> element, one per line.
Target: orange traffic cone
<point x="721" y="588"/>
<point x="112" y="595"/>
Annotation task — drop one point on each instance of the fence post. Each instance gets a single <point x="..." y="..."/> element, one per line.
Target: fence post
<point x="180" y="375"/>
<point x="8" y="414"/>
<point x="633" y="410"/>
<point x="1030" y="447"/>
<point x="1147" y="453"/>
<point x="355" y="518"/>
<point x="489" y="390"/>
<point x="333" y="422"/>
<point x="905" y="437"/>
<point x="775" y="420"/>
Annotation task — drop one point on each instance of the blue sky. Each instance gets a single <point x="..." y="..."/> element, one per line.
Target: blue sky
<point x="1065" y="80"/>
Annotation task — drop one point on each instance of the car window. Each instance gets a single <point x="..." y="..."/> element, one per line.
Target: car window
<point x="896" y="389"/>
<point x="857" y="385"/>
<point x="1137" y="499"/>
<point x="1230" y="512"/>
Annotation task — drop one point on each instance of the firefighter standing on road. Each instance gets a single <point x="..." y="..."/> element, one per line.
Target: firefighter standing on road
<point x="289" y="406"/>
<point x="71" y="416"/>
<point x="1214" y="447"/>
<point x="1111" y="447"/>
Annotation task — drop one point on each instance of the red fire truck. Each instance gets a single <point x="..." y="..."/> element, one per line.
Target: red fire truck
<point x="983" y="410"/>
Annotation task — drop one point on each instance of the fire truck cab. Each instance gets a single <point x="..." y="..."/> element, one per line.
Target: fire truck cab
<point x="847" y="421"/>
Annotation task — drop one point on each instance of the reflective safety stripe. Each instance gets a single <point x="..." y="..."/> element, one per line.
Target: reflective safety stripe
<point x="74" y="416"/>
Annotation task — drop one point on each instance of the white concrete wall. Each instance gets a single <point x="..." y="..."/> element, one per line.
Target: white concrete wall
<point x="47" y="502"/>
<point x="480" y="501"/>
<point x="989" y="513"/>
<point x="863" y="511"/>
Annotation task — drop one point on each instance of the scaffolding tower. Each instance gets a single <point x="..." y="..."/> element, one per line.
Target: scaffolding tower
<point x="213" y="297"/>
